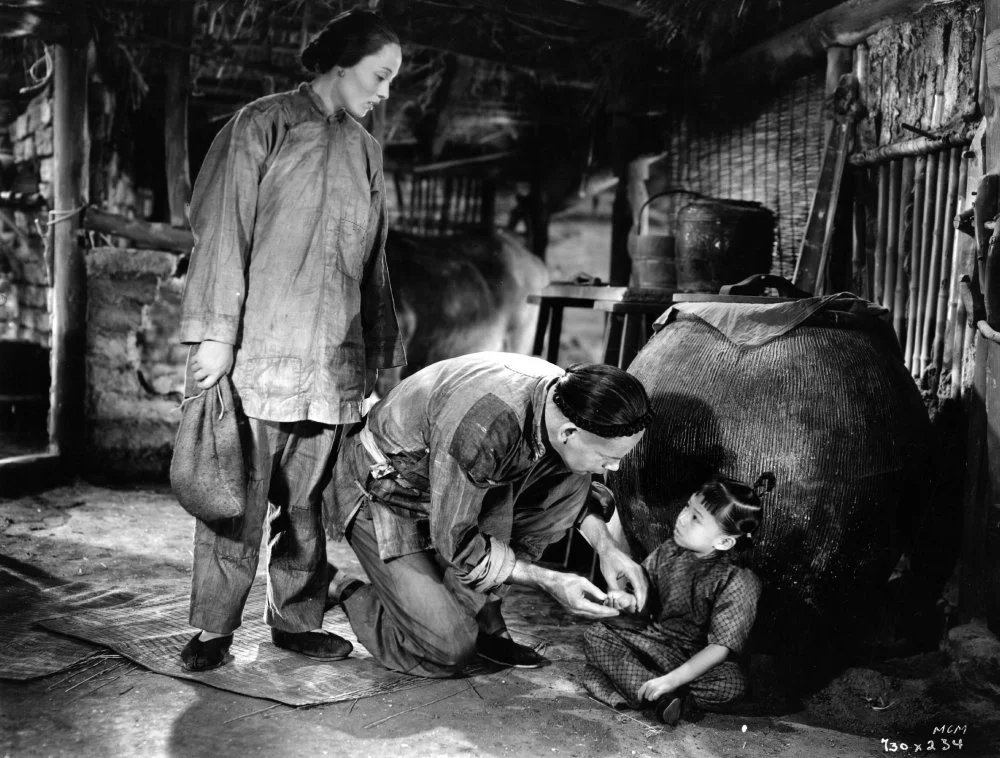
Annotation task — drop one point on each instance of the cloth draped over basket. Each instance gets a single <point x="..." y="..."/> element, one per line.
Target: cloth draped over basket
<point x="814" y="390"/>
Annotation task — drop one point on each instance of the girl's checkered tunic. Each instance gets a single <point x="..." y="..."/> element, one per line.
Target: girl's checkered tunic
<point x="693" y="602"/>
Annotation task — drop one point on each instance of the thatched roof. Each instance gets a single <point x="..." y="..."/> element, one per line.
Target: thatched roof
<point x="614" y="51"/>
<point x="566" y="39"/>
<point x="702" y="32"/>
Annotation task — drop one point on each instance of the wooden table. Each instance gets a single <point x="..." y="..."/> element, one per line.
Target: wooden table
<point x="631" y="312"/>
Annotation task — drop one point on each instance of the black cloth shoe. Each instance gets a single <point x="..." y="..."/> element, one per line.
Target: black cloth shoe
<point x="323" y="646"/>
<point x="670" y="709"/>
<point x="205" y="656"/>
<point x="506" y="652"/>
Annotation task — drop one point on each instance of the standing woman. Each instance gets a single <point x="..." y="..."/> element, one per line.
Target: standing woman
<point x="288" y="290"/>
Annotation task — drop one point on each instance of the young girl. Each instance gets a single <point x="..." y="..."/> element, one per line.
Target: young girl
<point x="702" y="604"/>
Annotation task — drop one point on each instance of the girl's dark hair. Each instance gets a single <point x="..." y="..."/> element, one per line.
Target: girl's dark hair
<point x="737" y="508"/>
<point x="603" y="400"/>
<point x="346" y="40"/>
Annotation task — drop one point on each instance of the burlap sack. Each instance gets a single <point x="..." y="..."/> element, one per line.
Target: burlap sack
<point x="207" y="472"/>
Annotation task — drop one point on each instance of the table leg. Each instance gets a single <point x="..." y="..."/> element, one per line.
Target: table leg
<point x="632" y="339"/>
<point x="613" y="333"/>
<point x="555" y="328"/>
<point x="544" y="311"/>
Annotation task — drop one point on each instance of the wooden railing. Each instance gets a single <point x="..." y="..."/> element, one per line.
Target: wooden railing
<point x="447" y="198"/>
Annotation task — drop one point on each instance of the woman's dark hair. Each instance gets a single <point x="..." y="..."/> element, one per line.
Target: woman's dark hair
<point x="346" y="40"/>
<point x="603" y="400"/>
<point x="737" y="507"/>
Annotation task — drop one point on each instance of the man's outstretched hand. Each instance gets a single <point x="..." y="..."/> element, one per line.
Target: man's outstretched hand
<point x="578" y="595"/>
<point x="574" y="593"/>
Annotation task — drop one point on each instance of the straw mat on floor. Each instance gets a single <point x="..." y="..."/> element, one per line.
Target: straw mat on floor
<point x="28" y="651"/>
<point x="153" y="631"/>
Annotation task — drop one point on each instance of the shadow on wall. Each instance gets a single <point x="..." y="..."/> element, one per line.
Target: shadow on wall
<point x="460" y="295"/>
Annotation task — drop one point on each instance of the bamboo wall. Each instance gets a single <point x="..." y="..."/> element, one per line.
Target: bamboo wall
<point x="923" y="73"/>
<point x="773" y="158"/>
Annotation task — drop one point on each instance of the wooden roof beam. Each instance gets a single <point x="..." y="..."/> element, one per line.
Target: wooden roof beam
<point x="788" y="52"/>
<point x="629" y="7"/>
<point x="584" y="17"/>
<point x="543" y="68"/>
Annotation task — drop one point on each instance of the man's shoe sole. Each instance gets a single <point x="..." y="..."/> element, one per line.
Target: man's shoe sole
<point x="292" y="647"/>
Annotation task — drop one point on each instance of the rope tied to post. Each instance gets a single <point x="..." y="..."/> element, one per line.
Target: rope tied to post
<point x="54" y="217"/>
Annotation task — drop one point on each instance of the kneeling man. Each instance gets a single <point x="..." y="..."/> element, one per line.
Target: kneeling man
<point x="455" y="484"/>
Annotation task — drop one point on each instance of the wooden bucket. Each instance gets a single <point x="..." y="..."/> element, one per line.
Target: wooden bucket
<point x="653" y="259"/>
<point x="653" y="263"/>
<point x="721" y="242"/>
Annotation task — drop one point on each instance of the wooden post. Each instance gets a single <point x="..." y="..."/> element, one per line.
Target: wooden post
<point x="839" y="61"/>
<point x="945" y="274"/>
<point x="623" y="152"/>
<point x="922" y="272"/>
<point x="895" y="294"/>
<point x="933" y="280"/>
<point x="892" y="246"/>
<point x="972" y="601"/>
<point x="899" y="284"/>
<point x="881" y="229"/>
<point x="860" y="283"/>
<point x="916" y="255"/>
<point x="180" y="27"/>
<point x="69" y="280"/>
<point x="957" y="323"/>
<point x="990" y="94"/>
<point x="813" y="269"/>
<point x="538" y="215"/>
<point x="622" y="139"/>
<point x="489" y="193"/>
<point x="980" y="562"/>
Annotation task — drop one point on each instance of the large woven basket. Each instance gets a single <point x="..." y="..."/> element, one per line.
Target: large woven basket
<point x="825" y="402"/>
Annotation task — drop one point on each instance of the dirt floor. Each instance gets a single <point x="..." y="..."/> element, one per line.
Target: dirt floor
<point x="139" y="539"/>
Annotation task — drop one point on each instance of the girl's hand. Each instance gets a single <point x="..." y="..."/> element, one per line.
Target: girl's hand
<point x="622" y="601"/>
<point x="620" y="571"/>
<point x="654" y="689"/>
<point x="210" y="362"/>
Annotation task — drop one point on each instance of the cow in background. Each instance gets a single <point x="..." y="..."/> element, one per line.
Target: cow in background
<point x="461" y="294"/>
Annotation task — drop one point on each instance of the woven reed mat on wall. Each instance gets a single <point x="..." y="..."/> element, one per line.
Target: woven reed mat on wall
<point x="28" y="651"/>
<point x="153" y="631"/>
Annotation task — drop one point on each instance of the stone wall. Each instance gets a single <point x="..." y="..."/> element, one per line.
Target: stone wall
<point x="25" y="265"/>
<point x="135" y="366"/>
<point x="131" y="361"/>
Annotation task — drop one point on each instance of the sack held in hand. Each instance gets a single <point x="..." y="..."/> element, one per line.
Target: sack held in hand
<point x="207" y="472"/>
